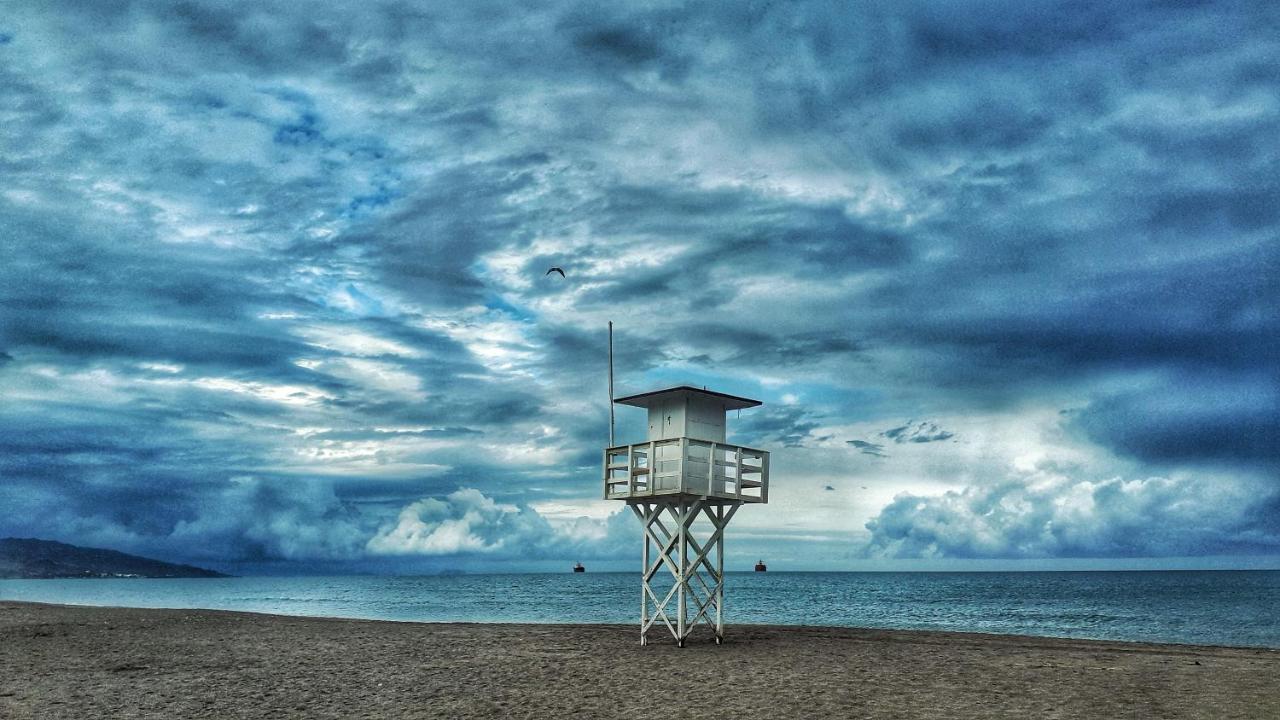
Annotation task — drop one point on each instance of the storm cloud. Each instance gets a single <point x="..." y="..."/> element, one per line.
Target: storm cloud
<point x="272" y="279"/>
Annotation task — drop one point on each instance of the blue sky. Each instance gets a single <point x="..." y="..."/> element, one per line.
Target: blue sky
<point x="272" y="291"/>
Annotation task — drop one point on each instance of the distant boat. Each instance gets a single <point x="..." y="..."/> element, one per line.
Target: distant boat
<point x="760" y="566"/>
<point x="579" y="568"/>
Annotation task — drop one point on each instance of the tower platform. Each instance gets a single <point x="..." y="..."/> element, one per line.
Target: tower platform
<point x="686" y="468"/>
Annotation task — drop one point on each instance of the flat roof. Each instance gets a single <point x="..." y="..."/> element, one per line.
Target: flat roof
<point x="644" y="400"/>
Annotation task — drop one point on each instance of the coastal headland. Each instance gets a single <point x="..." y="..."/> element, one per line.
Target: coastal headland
<point x="76" y="662"/>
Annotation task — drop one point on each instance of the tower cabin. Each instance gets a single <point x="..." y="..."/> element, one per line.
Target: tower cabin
<point x="687" y="454"/>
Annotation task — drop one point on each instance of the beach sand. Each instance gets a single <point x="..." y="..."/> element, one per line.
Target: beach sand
<point x="82" y="662"/>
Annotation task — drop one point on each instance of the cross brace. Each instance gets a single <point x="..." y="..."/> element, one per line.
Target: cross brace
<point x="698" y="583"/>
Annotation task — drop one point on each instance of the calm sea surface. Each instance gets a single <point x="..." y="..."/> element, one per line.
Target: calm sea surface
<point x="1216" y="608"/>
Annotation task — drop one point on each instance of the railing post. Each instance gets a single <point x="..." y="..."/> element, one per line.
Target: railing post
<point x="738" y="484"/>
<point x="631" y="473"/>
<point x="653" y="476"/>
<point x="764" y="476"/>
<point x="711" y="469"/>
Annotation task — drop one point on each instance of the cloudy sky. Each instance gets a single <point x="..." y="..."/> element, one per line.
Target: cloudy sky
<point x="272" y="291"/>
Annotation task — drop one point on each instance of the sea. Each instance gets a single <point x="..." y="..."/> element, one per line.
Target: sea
<point x="1236" y="608"/>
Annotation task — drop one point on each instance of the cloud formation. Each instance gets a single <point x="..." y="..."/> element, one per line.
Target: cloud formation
<point x="272" y="277"/>
<point x="1047" y="516"/>
<point x="467" y="522"/>
<point x="867" y="448"/>
<point x="921" y="432"/>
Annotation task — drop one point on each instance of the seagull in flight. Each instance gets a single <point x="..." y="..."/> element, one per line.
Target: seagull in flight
<point x="555" y="268"/>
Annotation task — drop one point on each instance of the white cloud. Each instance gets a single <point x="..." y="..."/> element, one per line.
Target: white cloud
<point x="350" y="340"/>
<point x="271" y="392"/>
<point x="469" y="522"/>
<point x="1051" y="515"/>
<point x="376" y="375"/>
<point x="499" y="343"/>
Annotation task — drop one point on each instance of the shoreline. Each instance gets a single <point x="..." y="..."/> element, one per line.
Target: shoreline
<point x="634" y="627"/>
<point x="85" y="661"/>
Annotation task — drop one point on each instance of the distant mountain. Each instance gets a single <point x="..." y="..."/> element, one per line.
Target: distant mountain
<point x="28" y="558"/>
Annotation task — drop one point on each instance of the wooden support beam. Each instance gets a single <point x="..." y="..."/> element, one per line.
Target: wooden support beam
<point x="721" y="523"/>
<point x="693" y="556"/>
<point x="682" y="580"/>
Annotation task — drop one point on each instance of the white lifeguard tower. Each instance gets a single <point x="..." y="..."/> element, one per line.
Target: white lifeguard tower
<point x="684" y="472"/>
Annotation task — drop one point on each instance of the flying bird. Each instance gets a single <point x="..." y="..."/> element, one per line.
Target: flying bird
<point x="555" y="269"/>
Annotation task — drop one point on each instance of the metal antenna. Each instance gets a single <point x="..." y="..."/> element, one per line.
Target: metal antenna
<point x="610" y="383"/>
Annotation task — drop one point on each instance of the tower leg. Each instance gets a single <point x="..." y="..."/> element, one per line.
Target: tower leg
<point x="697" y="574"/>
<point x="682" y="578"/>
<point x="719" y="540"/>
<point x="644" y="589"/>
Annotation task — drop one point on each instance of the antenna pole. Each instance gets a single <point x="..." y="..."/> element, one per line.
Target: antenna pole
<point x="610" y="383"/>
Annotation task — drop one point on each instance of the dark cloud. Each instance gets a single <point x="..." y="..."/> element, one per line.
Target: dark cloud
<point x="620" y="43"/>
<point x="788" y="426"/>
<point x="917" y="432"/>
<point x="1189" y="420"/>
<point x="287" y="266"/>
<point x="868" y="448"/>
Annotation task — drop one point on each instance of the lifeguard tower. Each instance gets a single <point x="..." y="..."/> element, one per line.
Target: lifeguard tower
<point x="685" y="472"/>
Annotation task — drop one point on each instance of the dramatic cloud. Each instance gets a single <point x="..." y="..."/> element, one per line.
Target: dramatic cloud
<point x="259" y="520"/>
<point x="868" y="448"/>
<point x="921" y="432"/>
<point x="467" y="522"/>
<point x="1045" y="516"/>
<point x="911" y="432"/>
<point x="273" y="278"/>
<point x="1193" y="420"/>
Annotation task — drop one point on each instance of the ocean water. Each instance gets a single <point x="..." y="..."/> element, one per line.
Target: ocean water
<point x="1204" y="607"/>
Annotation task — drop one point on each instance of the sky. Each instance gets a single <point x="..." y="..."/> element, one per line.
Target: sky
<point x="1005" y="276"/>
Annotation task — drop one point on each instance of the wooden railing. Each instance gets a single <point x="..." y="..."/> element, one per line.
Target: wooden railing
<point x="686" y="466"/>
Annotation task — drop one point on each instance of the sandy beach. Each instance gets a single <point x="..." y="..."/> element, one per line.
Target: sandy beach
<point x="82" y="662"/>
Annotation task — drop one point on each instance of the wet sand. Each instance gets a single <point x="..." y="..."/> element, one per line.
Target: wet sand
<point x="81" y="662"/>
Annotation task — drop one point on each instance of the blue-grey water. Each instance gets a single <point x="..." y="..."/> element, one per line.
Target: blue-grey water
<point x="1210" y="607"/>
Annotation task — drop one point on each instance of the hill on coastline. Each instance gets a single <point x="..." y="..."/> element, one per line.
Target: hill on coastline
<point x="30" y="558"/>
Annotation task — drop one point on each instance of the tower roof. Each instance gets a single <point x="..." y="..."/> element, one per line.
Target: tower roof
<point x="644" y="400"/>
